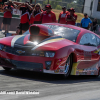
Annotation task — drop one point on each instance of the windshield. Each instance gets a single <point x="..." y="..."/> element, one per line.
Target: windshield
<point x="65" y="32"/>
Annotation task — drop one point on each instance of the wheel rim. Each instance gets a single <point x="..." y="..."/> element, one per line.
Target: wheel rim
<point x="67" y="65"/>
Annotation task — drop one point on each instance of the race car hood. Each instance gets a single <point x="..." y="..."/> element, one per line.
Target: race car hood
<point x="12" y="40"/>
<point x="51" y="43"/>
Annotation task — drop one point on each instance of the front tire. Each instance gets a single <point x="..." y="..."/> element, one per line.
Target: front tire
<point x="68" y="67"/>
<point x="6" y="68"/>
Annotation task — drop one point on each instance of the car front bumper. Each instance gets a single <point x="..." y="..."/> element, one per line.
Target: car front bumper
<point x="21" y="65"/>
<point x="32" y="63"/>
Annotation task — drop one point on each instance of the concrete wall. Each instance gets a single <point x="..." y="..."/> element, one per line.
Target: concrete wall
<point x="14" y="23"/>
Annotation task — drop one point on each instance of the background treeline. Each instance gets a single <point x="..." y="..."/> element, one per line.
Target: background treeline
<point x="57" y="4"/>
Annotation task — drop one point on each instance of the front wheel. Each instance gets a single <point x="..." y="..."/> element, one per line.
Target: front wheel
<point x="6" y="68"/>
<point x="68" y="67"/>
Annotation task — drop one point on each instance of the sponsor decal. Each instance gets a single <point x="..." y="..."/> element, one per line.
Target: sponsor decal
<point x="82" y="73"/>
<point x="57" y="71"/>
<point x="48" y="71"/>
<point x="47" y="42"/>
<point x="74" y="68"/>
<point x="61" y="67"/>
<point x="97" y="51"/>
<point x="60" y="70"/>
<point x="93" y="70"/>
<point x="87" y="55"/>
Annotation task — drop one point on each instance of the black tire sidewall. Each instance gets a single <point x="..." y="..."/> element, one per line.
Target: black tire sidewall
<point x="70" y="68"/>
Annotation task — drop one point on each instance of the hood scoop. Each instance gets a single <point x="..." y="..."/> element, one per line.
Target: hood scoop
<point x="39" y="32"/>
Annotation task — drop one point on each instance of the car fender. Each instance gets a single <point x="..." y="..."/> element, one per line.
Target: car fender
<point x="74" y="55"/>
<point x="72" y="52"/>
<point x="61" y="63"/>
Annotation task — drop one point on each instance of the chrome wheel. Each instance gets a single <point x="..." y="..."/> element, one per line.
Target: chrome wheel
<point x="68" y="67"/>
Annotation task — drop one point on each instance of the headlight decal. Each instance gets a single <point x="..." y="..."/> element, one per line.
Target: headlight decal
<point x="49" y="54"/>
<point x="38" y="53"/>
<point x="43" y="53"/>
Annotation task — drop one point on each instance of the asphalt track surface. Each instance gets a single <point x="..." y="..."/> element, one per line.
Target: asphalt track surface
<point x="49" y="87"/>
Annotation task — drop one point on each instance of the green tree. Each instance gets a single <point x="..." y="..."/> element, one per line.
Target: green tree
<point x="52" y="3"/>
<point x="58" y="7"/>
<point x="68" y="1"/>
<point x="80" y="2"/>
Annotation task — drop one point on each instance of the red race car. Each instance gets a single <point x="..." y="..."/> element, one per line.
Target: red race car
<point x="52" y="48"/>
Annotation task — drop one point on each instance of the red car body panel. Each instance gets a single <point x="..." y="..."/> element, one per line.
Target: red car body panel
<point x="85" y="60"/>
<point x="6" y="41"/>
